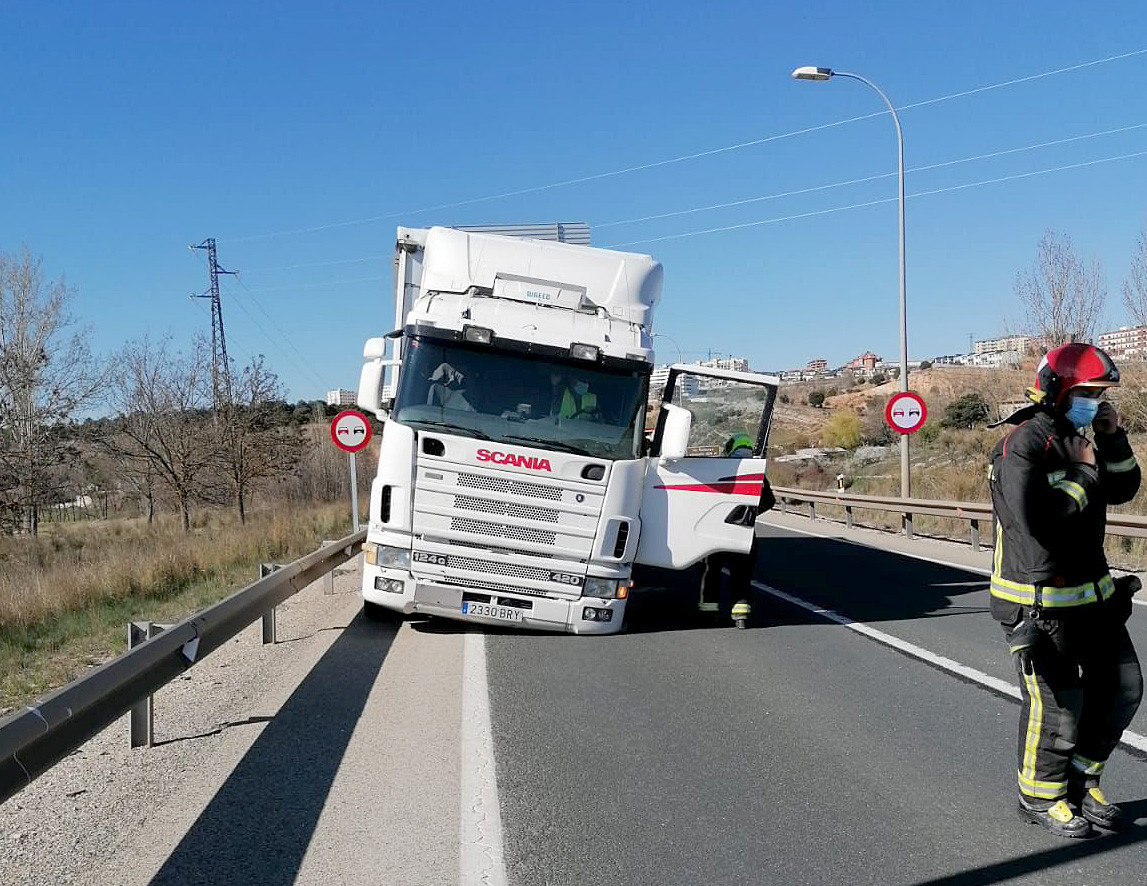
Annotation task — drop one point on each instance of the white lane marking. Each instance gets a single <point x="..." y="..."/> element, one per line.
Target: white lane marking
<point x="848" y="541"/>
<point x="1131" y="739"/>
<point x="481" y="858"/>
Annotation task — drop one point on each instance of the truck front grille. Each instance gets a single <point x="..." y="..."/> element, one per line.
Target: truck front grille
<point x="500" y="530"/>
<point x="507" y="508"/>
<point x="509" y="486"/>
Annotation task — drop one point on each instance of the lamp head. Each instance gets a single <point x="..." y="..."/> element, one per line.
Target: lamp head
<point x="809" y="72"/>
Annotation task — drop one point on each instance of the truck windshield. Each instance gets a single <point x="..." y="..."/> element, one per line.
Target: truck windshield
<point x="524" y="400"/>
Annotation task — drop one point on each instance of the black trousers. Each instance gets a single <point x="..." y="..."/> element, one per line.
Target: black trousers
<point x="1085" y="690"/>
<point x="740" y="568"/>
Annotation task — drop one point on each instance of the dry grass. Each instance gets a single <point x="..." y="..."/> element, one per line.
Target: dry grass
<point x="66" y="596"/>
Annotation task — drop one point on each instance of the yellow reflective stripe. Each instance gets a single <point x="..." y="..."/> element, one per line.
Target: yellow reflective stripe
<point x="1118" y="467"/>
<point x="1085" y="766"/>
<point x="1027" y="779"/>
<point x="1043" y="790"/>
<point x="1074" y="490"/>
<point x="1052" y="597"/>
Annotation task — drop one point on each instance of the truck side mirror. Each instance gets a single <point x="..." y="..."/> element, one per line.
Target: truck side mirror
<point x="675" y="431"/>
<point x="370" y="379"/>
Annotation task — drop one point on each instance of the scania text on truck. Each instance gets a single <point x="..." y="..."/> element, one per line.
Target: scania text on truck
<point x="515" y="484"/>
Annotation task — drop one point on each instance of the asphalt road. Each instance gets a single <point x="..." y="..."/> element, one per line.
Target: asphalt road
<point x="795" y="752"/>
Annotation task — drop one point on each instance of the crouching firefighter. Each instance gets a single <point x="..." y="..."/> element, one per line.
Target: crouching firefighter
<point x="740" y="566"/>
<point x="1062" y="614"/>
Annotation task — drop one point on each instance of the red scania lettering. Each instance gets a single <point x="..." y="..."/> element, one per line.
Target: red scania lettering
<point x="518" y="461"/>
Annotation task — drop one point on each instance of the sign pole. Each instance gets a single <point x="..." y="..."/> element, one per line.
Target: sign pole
<point x="350" y="431"/>
<point x="353" y="458"/>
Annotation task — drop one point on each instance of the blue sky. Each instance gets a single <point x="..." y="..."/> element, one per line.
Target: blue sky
<point x="133" y="130"/>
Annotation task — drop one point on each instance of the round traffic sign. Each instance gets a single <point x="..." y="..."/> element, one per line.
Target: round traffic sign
<point x="350" y="430"/>
<point x="906" y="412"/>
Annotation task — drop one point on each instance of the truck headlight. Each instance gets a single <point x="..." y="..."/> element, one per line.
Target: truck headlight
<point x="396" y="558"/>
<point x="607" y="588"/>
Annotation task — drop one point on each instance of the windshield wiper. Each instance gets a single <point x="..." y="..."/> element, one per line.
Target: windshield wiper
<point x="550" y="444"/>
<point x="445" y="425"/>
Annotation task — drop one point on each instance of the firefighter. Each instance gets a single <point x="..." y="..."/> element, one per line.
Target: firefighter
<point x="740" y="566"/>
<point x="1062" y="614"/>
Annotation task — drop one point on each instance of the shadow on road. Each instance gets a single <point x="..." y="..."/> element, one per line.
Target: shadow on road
<point x="866" y="584"/>
<point x="259" y="824"/>
<point x="1070" y="851"/>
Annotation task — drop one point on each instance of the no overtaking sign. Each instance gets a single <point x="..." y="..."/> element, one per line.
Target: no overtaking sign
<point x="350" y="430"/>
<point x="905" y="412"/>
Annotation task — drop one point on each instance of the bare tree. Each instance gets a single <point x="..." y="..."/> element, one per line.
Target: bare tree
<point x="163" y="400"/>
<point x="256" y="445"/>
<point x="1061" y="295"/>
<point x="47" y="374"/>
<point x="1135" y="286"/>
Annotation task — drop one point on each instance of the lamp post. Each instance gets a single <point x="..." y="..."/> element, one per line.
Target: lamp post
<point x="813" y="73"/>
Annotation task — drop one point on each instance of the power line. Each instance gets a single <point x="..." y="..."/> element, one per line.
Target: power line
<point x="869" y="178"/>
<point x="303" y="363"/>
<point x="315" y="285"/>
<point x="769" y="221"/>
<point x="686" y="157"/>
<point x="315" y="264"/>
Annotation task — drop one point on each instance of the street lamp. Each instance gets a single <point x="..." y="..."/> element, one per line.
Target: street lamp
<point x="809" y="72"/>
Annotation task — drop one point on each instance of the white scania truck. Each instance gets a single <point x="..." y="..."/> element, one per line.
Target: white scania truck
<point x="515" y="484"/>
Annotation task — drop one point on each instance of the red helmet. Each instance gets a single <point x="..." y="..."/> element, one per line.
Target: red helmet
<point x="1070" y="366"/>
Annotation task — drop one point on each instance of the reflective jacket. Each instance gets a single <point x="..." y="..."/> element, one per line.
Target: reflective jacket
<point x="1050" y="516"/>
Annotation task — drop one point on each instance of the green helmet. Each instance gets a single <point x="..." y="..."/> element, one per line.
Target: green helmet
<point x="738" y="441"/>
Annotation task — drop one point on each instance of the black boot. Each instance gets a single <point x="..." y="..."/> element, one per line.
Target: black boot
<point x="1086" y="795"/>
<point x="1055" y="815"/>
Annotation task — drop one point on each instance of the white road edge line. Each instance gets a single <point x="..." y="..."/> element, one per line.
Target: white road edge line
<point x="481" y="859"/>
<point x="849" y="541"/>
<point x="1131" y="739"/>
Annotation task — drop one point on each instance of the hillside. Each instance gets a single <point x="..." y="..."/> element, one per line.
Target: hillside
<point x="939" y="386"/>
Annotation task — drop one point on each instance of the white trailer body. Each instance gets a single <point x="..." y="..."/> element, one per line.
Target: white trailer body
<point x="515" y="485"/>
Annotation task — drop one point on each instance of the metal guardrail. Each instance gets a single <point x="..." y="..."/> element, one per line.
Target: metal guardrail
<point x="1129" y="525"/>
<point x="36" y="738"/>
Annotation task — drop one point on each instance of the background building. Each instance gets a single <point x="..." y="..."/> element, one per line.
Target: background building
<point x="1125" y="343"/>
<point x="341" y="397"/>
<point x="1020" y="344"/>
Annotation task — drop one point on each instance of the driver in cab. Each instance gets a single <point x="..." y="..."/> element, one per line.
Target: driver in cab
<point x="571" y="398"/>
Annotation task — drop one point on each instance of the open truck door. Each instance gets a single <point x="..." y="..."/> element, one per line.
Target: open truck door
<point x="697" y="501"/>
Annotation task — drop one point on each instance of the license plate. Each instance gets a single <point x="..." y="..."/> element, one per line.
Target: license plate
<point x="505" y="613"/>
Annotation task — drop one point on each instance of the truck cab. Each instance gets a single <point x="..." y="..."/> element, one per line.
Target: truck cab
<point x="515" y="483"/>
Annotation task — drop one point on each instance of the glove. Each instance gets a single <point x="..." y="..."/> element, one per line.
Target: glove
<point x="1022" y="642"/>
<point x="1125" y="588"/>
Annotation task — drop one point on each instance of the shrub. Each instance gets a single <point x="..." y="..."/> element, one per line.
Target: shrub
<point x="879" y="378"/>
<point x="966" y="411"/>
<point x="816" y="398"/>
<point x="843" y="430"/>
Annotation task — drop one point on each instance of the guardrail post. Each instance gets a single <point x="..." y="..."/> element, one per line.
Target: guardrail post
<point x="848" y="516"/>
<point x="812" y="510"/>
<point x="784" y="505"/>
<point x="975" y="535"/>
<point x="908" y="525"/>
<point x="270" y="620"/>
<point x="329" y="578"/>
<point x="142" y="722"/>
